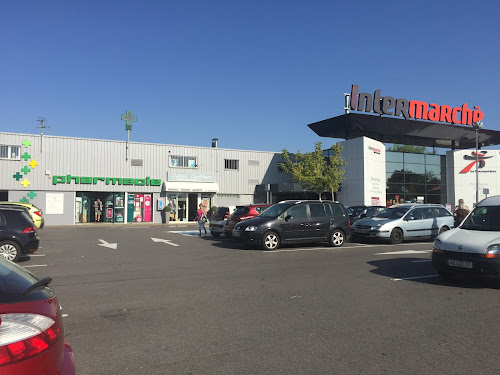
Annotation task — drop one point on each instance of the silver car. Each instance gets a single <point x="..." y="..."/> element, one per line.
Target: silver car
<point x="403" y="221"/>
<point x="474" y="247"/>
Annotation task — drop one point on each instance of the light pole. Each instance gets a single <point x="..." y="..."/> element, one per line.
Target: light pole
<point x="477" y="125"/>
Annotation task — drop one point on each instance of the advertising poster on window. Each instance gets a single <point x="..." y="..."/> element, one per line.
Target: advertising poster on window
<point x="54" y="203"/>
<point x="147" y="208"/>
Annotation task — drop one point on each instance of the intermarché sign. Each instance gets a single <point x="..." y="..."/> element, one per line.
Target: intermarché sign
<point x="68" y="179"/>
<point x="387" y="105"/>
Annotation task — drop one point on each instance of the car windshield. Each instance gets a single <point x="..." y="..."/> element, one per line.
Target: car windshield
<point x="275" y="210"/>
<point x="392" y="213"/>
<point x="355" y="210"/>
<point x="483" y="219"/>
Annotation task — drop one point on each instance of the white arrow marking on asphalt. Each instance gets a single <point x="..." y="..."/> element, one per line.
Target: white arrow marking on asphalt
<point x="107" y="244"/>
<point x="406" y="252"/>
<point x="168" y="242"/>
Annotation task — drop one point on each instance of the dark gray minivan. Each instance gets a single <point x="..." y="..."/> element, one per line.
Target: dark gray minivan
<point x="295" y="222"/>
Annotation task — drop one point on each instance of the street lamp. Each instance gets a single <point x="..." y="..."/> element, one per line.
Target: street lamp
<point x="477" y="125"/>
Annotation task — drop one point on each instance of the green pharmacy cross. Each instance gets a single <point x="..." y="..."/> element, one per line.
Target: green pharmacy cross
<point x="129" y="118"/>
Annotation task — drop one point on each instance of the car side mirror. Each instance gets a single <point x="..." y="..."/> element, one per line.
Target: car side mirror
<point x="408" y="218"/>
<point x="288" y="217"/>
<point x="362" y="216"/>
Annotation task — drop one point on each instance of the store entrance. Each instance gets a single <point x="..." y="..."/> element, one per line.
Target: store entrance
<point x="99" y="207"/>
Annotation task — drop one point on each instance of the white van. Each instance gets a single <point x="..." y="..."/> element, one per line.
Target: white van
<point x="474" y="247"/>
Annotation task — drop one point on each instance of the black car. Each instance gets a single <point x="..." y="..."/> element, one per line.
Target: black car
<point x="18" y="233"/>
<point x="362" y="211"/>
<point x="295" y="222"/>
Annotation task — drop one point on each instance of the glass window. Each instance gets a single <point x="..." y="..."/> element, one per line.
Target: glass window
<point x="317" y="210"/>
<point x="391" y="167"/>
<point x="231" y="164"/>
<point x="412" y="178"/>
<point x="298" y="212"/>
<point x="394" y="156"/>
<point x="395" y="178"/>
<point x="444" y="212"/>
<point x="337" y="211"/>
<point x="415" y="168"/>
<point x="9" y="152"/>
<point x="183" y="161"/>
<point x="416" y="213"/>
<point x="433" y="159"/>
<point x="414" y="158"/>
<point x="395" y="188"/>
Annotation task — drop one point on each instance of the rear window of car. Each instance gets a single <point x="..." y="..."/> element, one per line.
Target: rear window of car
<point x="241" y="211"/>
<point x="261" y="209"/>
<point x="444" y="212"/>
<point x="337" y="210"/>
<point x="14" y="280"/>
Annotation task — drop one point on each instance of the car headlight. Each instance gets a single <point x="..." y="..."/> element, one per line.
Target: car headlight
<point x="437" y="244"/>
<point x="493" y="251"/>
<point x="378" y="226"/>
<point x="250" y="228"/>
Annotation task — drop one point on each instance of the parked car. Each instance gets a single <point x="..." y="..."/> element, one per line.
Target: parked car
<point x="218" y="221"/>
<point x="403" y="221"/>
<point x="35" y="213"/>
<point x="473" y="248"/>
<point x="243" y="213"/>
<point x="361" y="212"/>
<point x="295" y="222"/>
<point x="18" y="234"/>
<point x="31" y="326"/>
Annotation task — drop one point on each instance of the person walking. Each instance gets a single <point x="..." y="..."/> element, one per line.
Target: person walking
<point x="98" y="209"/>
<point x="202" y="219"/>
<point x="460" y="213"/>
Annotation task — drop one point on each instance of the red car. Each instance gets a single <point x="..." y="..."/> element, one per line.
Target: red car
<point x="243" y="213"/>
<point x="31" y="328"/>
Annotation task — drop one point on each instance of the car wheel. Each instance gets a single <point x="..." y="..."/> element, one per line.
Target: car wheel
<point x="337" y="238"/>
<point x="396" y="236"/>
<point x="10" y="250"/>
<point x="270" y="241"/>
<point x="443" y="229"/>
<point x="215" y="234"/>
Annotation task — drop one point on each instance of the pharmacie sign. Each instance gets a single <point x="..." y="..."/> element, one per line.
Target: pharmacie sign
<point x="68" y="179"/>
<point x="411" y="109"/>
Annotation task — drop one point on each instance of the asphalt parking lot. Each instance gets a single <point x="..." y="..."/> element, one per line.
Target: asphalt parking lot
<point x="158" y="299"/>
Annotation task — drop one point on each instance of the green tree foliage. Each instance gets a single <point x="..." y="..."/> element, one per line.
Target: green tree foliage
<point x="412" y="149"/>
<point x="315" y="172"/>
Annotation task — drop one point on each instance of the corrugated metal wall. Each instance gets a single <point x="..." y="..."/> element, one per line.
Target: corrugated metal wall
<point x="60" y="156"/>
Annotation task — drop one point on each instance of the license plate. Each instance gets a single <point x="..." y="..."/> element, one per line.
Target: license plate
<point x="236" y="234"/>
<point x="362" y="230"/>
<point x="459" y="263"/>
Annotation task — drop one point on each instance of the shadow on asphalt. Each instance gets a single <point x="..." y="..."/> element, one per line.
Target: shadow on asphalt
<point x="398" y="269"/>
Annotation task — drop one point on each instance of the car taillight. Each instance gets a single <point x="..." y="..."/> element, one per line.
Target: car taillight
<point x="349" y="222"/>
<point x="29" y="229"/>
<point x="39" y="213"/>
<point x="25" y="335"/>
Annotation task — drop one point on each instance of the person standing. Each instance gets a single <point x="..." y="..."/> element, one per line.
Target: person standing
<point x="202" y="219"/>
<point x="460" y="213"/>
<point x="98" y="209"/>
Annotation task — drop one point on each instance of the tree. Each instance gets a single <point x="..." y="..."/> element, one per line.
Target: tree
<point x="412" y="149"/>
<point x="315" y="172"/>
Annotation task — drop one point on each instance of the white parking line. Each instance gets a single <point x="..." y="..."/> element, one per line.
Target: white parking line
<point x="416" y="277"/>
<point x="319" y="248"/>
<point x="36" y="265"/>
<point x="421" y="261"/>
<point x="404" y="252"/>
<point x="37" y="255"/>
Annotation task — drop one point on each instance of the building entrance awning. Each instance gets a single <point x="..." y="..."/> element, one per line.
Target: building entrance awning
<point x="405" y="132"/>
<point x="191" y="187"/>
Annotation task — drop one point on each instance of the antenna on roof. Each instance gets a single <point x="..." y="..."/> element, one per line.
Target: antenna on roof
<point x="42" y="126"/>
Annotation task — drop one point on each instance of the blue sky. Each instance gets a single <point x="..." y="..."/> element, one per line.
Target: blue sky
<point x="252" y="74"/>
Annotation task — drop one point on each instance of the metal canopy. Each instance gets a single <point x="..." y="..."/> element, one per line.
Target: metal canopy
<point x="405" y="132"/>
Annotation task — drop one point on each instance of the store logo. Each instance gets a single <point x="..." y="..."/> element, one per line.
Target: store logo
<point x="412" y="109"/>
<point x="68" y="179"/>
<point x="481" y="155"/>
<point x="375" y="150"/>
